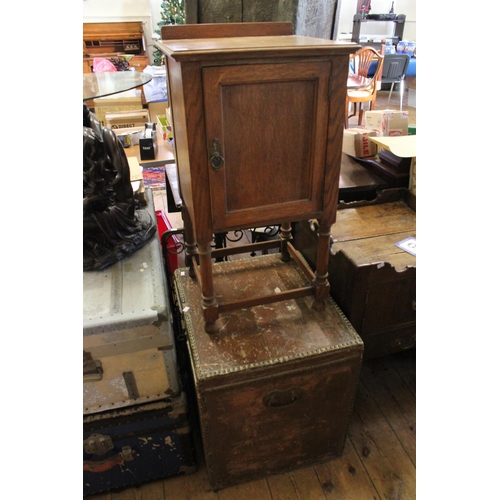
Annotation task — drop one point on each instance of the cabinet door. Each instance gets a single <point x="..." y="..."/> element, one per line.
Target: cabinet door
<point x="269" y="122"/>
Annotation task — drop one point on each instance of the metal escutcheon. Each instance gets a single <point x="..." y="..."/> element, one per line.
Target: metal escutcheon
<point x="216" y="159"/>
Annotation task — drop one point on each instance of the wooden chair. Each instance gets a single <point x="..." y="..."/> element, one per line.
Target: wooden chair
<point x="360" y="62"/>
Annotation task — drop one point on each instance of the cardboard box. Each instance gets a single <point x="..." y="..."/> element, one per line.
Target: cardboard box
<point x="157" y="108"/>
<point x="113" y="104"/>
<point x="127" y="119"/>
<point x="357" y="144"/>
<point x="136" y="179"/>
<point x="135" y="169"/>
<point x="404" y="147"/>
<point x="387" y="123"/>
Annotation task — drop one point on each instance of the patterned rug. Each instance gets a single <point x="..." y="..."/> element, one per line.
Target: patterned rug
<point x="154" y="178"/>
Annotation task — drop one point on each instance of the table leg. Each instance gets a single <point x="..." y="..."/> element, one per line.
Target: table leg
<point x="189" y="241"/>
<point x="320" y="283"/>
<point x="210" y="308"/>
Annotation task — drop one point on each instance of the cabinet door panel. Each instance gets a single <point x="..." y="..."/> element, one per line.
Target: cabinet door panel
<point x="271" y="123"/>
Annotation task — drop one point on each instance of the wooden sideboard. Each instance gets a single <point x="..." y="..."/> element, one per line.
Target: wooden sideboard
<point x="258" y="121"/>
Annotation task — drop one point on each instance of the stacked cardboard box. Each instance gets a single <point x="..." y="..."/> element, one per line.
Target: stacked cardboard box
<point x="356" y="142"/>
<point x="125" y="101"/>
<point x="387" y="123"/>
<point x="127" y="119"/>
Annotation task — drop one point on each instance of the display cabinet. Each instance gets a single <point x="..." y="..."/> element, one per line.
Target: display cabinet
<point x="258" y="119"/>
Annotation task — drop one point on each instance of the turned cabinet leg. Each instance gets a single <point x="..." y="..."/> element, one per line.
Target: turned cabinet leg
<point x="210" y="307"/>
<point x="189" y="241"/>
<point x="285" y="237"/>
<point x="321" y="284"/>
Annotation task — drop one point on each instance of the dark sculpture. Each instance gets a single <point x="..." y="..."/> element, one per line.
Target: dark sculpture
<point x="112" y="227"/>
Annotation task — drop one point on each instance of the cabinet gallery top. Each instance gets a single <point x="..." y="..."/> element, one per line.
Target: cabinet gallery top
<point x="252" y="46"/>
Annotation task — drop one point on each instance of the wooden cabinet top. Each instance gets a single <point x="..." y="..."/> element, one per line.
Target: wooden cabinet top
<point x="102" y="31"/>
<point x="252" y="46"/>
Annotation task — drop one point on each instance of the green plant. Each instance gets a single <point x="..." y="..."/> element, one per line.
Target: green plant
<point x="173" y="12"/>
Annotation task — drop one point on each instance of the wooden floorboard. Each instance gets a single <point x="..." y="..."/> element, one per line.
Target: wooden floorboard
<point x="380" y="449"/>
<point x="394" y="400"/>
<point x="346" y="478"/>
<point x="379" y="457"/>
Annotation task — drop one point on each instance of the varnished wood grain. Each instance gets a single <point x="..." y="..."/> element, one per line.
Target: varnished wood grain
<point x="270" y="173"/>
<point x="226" y="29"/>
<point x="254" y="46"/>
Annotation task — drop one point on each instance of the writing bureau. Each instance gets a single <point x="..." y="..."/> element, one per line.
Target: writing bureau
<point x="258" y="124"/>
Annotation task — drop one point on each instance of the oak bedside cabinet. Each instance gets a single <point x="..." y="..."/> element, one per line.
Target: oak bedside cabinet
<point x="258" y="119"/>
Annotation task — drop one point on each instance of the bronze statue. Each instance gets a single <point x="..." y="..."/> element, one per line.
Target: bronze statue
<point x="112" y="227"/>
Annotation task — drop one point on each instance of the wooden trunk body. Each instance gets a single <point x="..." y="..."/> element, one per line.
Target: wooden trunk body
<point x="372" y="280"/>
<point x="275" y="387"/>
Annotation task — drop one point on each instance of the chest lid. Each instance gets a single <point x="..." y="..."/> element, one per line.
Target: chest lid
<point x="368" y="234"/>
<point x="261" y="336"/>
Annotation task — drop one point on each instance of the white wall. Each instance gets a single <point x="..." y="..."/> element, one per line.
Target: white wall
<point x="407" y="7"/>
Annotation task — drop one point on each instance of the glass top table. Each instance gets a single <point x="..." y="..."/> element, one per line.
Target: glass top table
<point x="108" y="83"/>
